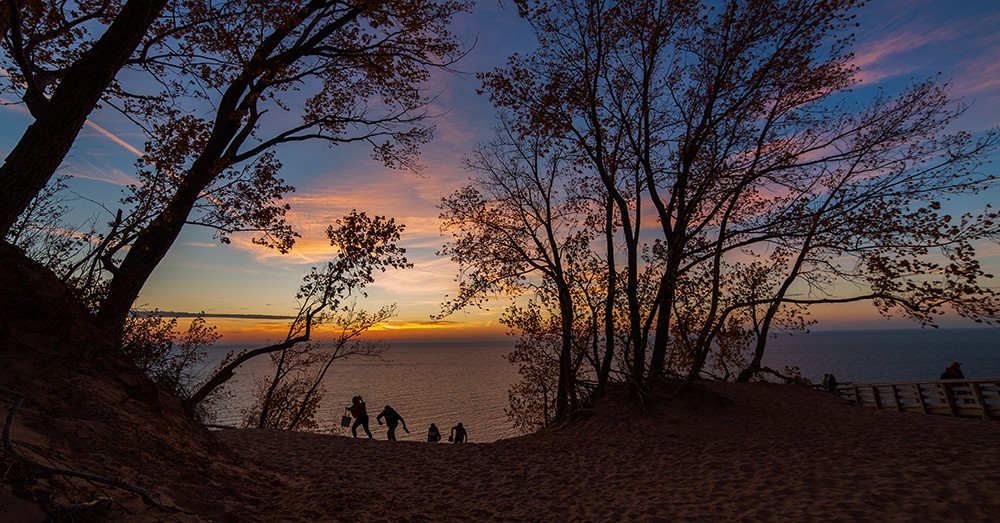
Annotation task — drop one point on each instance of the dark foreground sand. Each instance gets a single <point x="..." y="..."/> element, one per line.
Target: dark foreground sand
<point x="724" y="452"/>
<point x="731" y="452"/>
<point x="728" y="452"/>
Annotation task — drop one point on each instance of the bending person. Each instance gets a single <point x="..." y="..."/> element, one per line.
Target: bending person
<point x="392" y="420"/>
<point x="458" y="434"/>
<point x="433" y="434"/>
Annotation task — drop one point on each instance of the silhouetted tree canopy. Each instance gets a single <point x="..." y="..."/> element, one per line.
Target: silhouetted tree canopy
<point x="744" y="183"/>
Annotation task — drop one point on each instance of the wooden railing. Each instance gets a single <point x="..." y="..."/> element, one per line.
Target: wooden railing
<point x="966" y="398"/>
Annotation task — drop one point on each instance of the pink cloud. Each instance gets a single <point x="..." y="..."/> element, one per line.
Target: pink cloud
<point x="878" y="59"/>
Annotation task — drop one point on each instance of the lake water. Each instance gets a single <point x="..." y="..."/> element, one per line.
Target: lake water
<point x="447" y="383"/>
<point x="441" y="383"/>
<point x="874" y="356"/>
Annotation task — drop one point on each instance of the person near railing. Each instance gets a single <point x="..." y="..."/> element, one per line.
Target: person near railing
<point x="954" y="372"/>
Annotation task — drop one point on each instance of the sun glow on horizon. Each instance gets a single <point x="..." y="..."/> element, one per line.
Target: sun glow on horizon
<point x="896" y="43"/>
<point x="268" y="331"/>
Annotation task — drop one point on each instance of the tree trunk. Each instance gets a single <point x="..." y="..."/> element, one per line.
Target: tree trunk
<point x="149" y="248"/>
<point x="754" y="366"/>
<point x="662" y="337"/>
<point x="268" y="400"/>
<point x="45" y="143"/>
<point x="227" y="372"/>
<point x="153" y="242"/>
<point x="566" y="382"/>
<point x="7" y="15"/>
<point x="635" y="322"/>
<point x="609" y="304"/>
<point x="793" y="274"/>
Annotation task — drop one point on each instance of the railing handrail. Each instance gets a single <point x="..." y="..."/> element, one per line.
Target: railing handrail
<point x="962" y="397"/>
<point x="920" y="382"/>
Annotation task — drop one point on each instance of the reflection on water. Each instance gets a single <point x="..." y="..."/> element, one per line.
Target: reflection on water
<point x="442" y="383"/>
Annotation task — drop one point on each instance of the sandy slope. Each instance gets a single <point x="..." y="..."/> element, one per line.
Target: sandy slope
<point x="724" y="452"/>
<point x="730" y="452"/>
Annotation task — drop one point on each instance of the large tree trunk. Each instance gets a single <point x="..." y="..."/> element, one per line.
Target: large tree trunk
<point x="149" y="248"/>
<point x="564" y="404"/>
<point x="662" y="338"/>
<point x="153" y="242"/>
<point x="45" y="143"/>
<point x="609" y="304"/>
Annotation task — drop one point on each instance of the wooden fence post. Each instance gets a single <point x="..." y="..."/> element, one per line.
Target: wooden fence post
<point x="981" y="401"/>
<point x="877" y="396"/>
<point x="920" y="397"/>
<point x="948" y="398"/>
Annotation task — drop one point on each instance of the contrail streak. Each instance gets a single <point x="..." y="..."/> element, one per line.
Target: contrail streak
<point x="139" y="153"/>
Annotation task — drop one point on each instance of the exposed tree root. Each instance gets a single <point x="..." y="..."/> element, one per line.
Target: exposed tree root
<point x="8" y="449"/>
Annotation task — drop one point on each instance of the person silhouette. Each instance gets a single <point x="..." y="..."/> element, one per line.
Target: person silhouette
<point x="392" y="420"/>
<point x="433" y="434"/>
<point x="360" y="413"/>
<point x="458" y="434"/>
<point x="954" y="372"/>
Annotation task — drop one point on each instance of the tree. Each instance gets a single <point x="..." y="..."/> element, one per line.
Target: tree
<point x="732" y="124"/>
<point x="518" y="217"/>
<point x="167" y="356"/>
<point x="63" y="80"/>
<point x="290" y="398"/>
<point x="537" y="355"/>
<point x="354" y="67"/>
<point x="880" y="225"/>
<point x="364" y="245"/>
<point x="362" y="62"/>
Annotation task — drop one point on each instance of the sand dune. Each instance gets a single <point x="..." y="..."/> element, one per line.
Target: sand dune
<point x="731" y="452"/>
<point x="723" y="452"/>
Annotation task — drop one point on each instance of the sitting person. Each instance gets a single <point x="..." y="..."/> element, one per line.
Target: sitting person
<point x="954" y="372"/>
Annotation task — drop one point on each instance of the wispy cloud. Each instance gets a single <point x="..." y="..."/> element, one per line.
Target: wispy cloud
<point x="108" y="174"/>
<point x="879" y="59"/>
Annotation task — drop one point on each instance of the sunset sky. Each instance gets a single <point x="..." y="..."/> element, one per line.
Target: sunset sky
<point x="898" y="41"/>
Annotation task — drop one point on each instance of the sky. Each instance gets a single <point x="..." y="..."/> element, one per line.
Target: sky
<point x="898" y="41"/>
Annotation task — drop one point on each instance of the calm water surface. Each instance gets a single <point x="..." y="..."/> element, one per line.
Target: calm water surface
<point x="873" y="356"/>
<point x="447" y="383"/>
<point x="442" y="383"/>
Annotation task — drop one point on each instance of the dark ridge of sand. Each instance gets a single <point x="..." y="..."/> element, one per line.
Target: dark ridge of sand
<point x="724" y="452"/>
